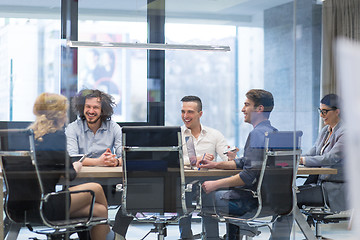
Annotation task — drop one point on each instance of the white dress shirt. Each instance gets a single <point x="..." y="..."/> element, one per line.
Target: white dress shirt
<point x="209" y="141"/>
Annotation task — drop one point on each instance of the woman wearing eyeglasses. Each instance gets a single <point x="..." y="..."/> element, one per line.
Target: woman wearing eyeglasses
<point x="328" y="151"/>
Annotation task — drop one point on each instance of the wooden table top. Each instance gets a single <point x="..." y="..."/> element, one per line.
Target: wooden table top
<point x="112" y="172"/>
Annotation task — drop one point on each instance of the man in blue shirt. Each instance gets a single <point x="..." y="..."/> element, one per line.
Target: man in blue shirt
<point x="94" y="133"/>
<point x="257" y="107"/>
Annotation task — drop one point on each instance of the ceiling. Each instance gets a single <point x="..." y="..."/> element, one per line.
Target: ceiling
<point x="240" y="12"/>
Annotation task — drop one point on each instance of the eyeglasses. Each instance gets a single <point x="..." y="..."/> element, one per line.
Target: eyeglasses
<point x="325" y="111"/>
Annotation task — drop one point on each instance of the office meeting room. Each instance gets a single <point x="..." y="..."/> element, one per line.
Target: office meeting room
<point x="179" y="119"/>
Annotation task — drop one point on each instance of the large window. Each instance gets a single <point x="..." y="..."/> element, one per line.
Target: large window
<point x="267" y="51"/>
<point x="30" y="64"/>
<point x="264" y="54"/>
<point x="119" y="72"/>
<point x="209" y="75"/>
<point x="275" y="45"/>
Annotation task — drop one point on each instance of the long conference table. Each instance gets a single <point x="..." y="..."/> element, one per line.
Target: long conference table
<point x="116" y="172"/>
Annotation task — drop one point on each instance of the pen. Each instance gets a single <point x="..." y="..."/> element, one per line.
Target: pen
<point x="202" y="160"/>
<point x="85" y="156"/>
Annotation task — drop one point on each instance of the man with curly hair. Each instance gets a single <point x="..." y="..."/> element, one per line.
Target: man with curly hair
<point x="94" y="133"/>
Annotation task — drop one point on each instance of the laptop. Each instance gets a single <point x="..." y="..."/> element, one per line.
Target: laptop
<point x="191" y="150"/>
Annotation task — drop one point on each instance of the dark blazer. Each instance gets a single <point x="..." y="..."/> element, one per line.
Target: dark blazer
<point x="51" y="156"/>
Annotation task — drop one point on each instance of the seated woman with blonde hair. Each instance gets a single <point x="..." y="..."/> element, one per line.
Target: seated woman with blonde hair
<point x="50" y="144"/>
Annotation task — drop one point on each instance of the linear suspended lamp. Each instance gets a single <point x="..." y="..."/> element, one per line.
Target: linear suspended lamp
<point x="148" y="46"/>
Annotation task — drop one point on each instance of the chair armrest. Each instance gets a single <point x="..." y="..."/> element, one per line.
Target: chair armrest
<point x="195" y="188"/>
<point x="189" y="186"/>
<point x="119" y="187"/>
<point x="52" y="194"/>
<point x="333" y="181"/>
<point x="300" y="176"/>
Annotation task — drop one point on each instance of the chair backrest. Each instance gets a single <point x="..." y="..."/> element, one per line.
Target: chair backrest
<point x="14" y="124"/>
<point x="276" y="186"/>
<point x="153" y="170"/>
<point x="23" y="185"/>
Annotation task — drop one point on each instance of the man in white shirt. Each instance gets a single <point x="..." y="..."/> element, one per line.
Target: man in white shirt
<point x="207" y="140"/>
<point x="208" y="144"/>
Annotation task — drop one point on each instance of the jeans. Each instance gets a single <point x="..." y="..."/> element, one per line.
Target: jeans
<point x="215" y="202"/>
<point x="281" y="229"/>
<point x="310" y="195"/>
<point x="210" y="224"/>
<point x="185" y="228"/>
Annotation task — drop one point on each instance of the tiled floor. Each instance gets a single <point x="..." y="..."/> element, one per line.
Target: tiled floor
<point x="335" y="231"/>
<point x="138" y="231"/>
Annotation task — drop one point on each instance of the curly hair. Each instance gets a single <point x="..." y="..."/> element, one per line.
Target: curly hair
<point x="107" y="103"/>
<point x="50" y="110"/>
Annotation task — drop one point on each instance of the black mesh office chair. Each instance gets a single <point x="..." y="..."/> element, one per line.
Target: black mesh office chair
<point x="153" y="176"/>
<point x="318" y="212"/>
<point x="276" y="184"/>
<point x="25" y="199"/>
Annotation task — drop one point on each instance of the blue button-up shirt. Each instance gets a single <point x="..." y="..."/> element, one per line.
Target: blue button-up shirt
<point x="253" y="153"/>
<point x="81" y="139"/>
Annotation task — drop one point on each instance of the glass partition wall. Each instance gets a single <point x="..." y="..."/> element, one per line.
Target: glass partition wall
<point x="275" y="45"/>
<point x="272" y="47"/>
<point x="120" y="72"/>
<point x="30" y="56"/>
<point x="271" y="42"/>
